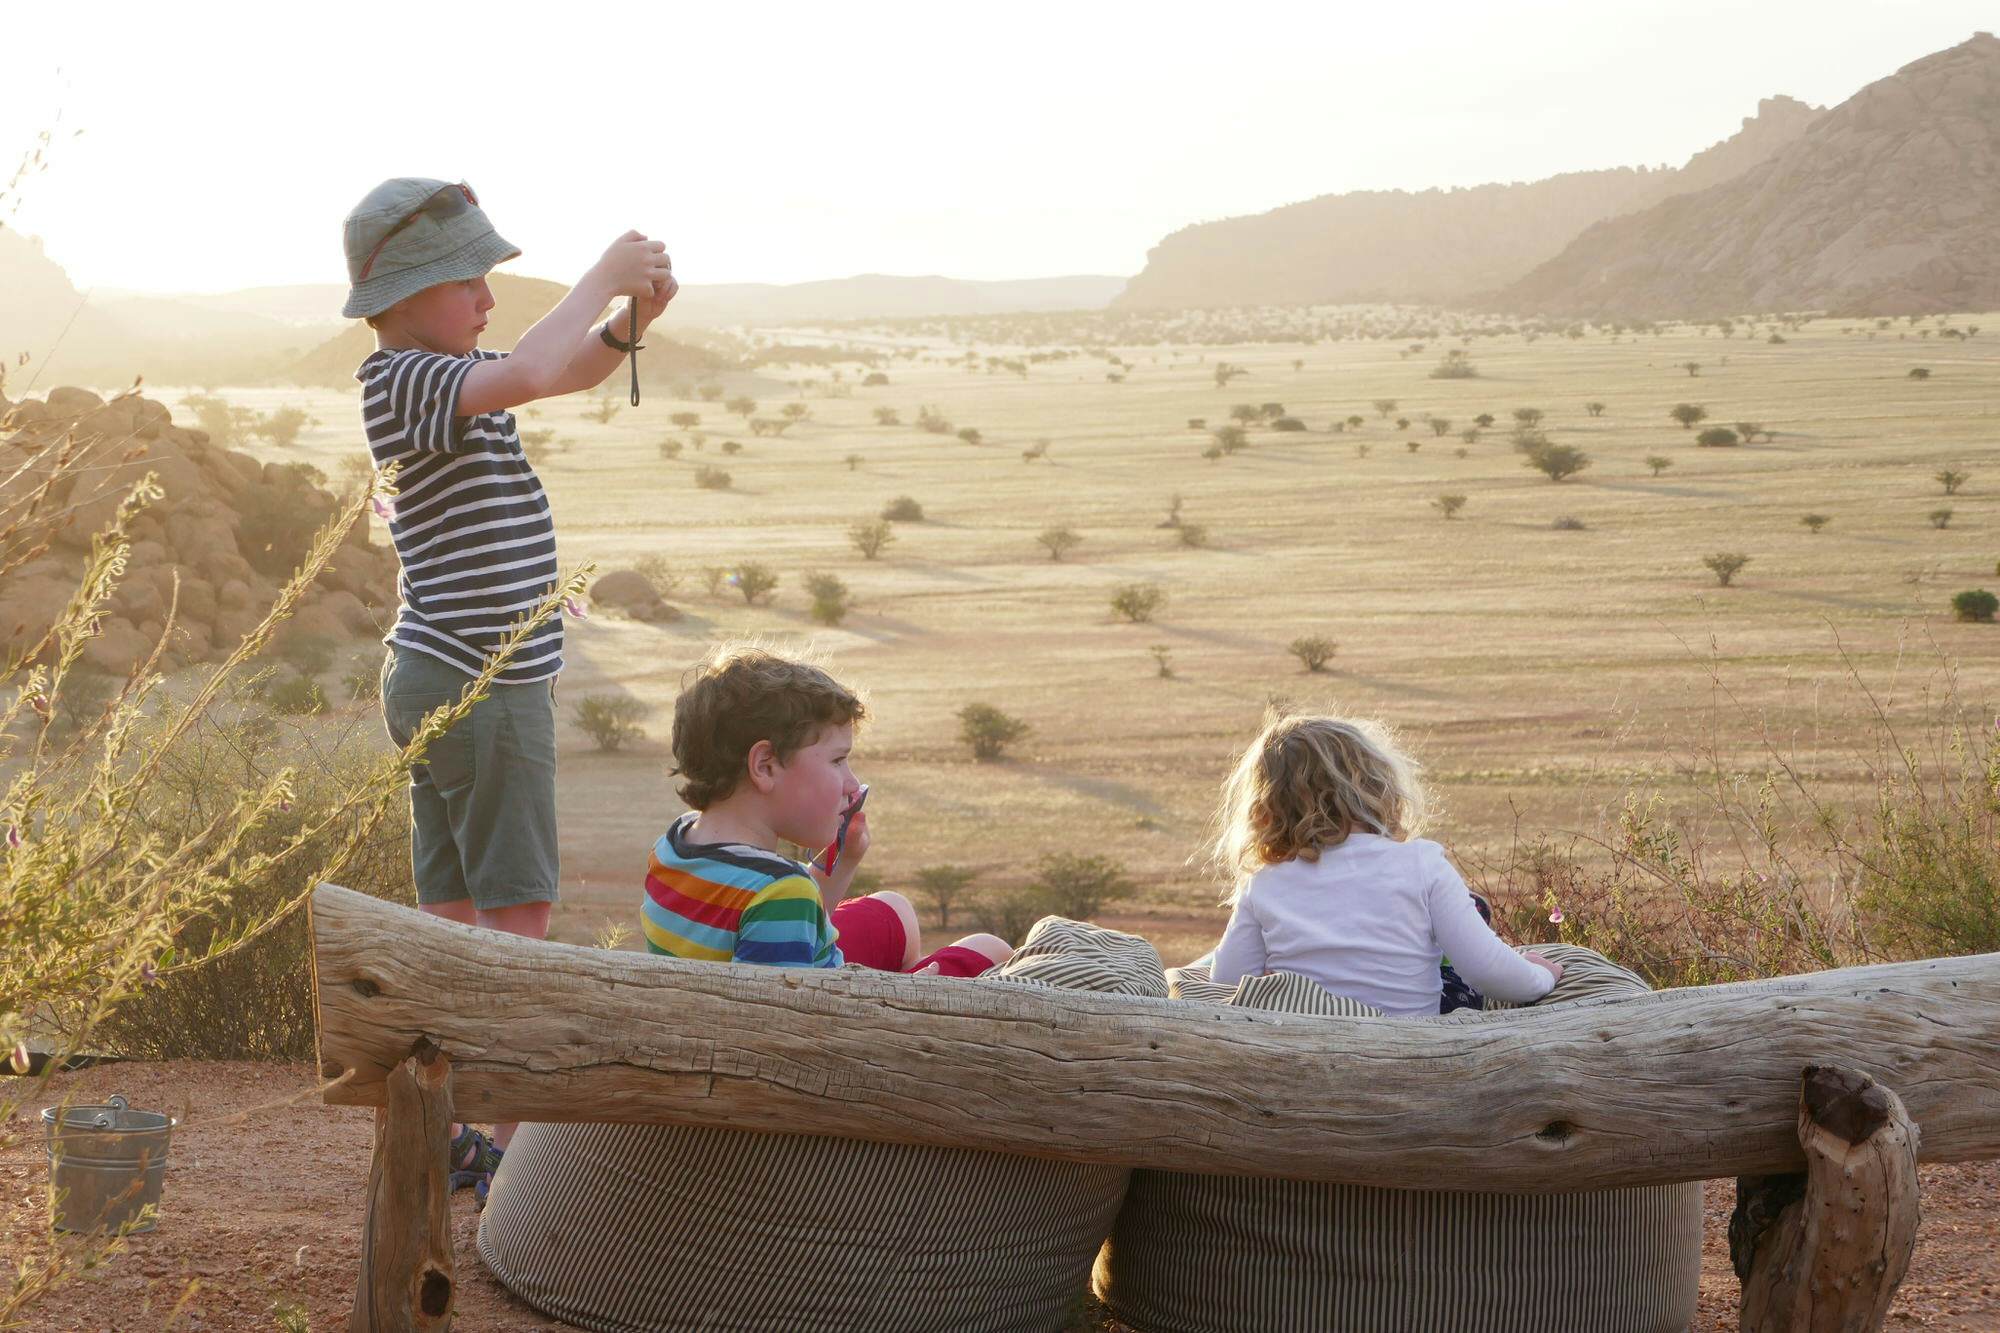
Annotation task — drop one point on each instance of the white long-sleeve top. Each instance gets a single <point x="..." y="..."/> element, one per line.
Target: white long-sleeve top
<point x="1371" y="919"/>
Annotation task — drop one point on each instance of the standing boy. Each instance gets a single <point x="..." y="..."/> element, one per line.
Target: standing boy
<point x="475" y="540"/>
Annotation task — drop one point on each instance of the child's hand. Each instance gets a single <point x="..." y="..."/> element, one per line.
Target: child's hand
<point x="1553" y="966"/>
<point x="634" y="266"/>
<point x="857" y="843"/>
<point x="654" y="304"/>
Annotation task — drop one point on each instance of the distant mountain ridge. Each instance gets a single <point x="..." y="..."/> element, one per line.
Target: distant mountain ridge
<point x="1888" y="204"/>
<point x="1430" y="246"/>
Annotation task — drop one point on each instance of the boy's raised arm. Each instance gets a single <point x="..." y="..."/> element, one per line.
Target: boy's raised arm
<point x="538" y="364"/>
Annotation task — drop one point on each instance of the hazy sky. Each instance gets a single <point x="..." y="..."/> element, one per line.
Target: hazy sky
<point x="223" y="144"/>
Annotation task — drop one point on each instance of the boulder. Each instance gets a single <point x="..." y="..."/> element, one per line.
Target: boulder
<point x="69" y="401"/>
<point x="633" y="593"/>
<point x="117" y="647"/>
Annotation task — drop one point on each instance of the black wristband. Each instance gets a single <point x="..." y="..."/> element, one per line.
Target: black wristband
<point x="616" y="343"/>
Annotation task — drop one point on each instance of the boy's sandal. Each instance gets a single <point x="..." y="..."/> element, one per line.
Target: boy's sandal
<point x="473" y="1159"/>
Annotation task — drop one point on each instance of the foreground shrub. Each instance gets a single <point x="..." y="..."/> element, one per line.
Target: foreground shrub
<point x="989" y="731"/>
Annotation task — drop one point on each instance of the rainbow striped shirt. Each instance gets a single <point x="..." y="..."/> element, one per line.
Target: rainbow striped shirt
<point x="728" y="902"/>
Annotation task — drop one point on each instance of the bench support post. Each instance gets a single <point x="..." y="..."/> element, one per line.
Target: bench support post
<point x="408" y="1281"/>
<point x="1826" y="1249"/>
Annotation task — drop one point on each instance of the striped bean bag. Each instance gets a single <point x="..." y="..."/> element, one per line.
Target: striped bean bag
<point x="623" y="1228"/>
<point x="1221" y="1254"/>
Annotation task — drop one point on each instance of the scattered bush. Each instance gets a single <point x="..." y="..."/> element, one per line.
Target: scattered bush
<point x="854" y="462"/>
<point x="1230" y="439"/>
<point x="295" y="696"/>
<point x="903" y="509"/>
<point x="1530" y="417"/>
<point x="1659" y="463"/>
<point x="1556" y="461"/>
<point x="945" y="885"/>
<point x="1693" y="368"/>
<point x="742" y="406"/>
<point x="1363" y="450"/>
<point x="1384" y="406"/>
<point x="1163" y="660"/>
<point x="670" y="450"/>
<point x="1975" y="604"/>
<point x="1814" y="522"/>
<point x="989" y="731"/>
<point x="930" y="420"/>
<point x="1725" y="565"/>
<point x="1687" y="414"/>
<point x="1455" y="366"/>
<point x="888" y="416"/>
<point x="1191" y="535"/>
<point x="1950" y="480"/>
<point x="1595" y="409"/>
<point x="1059" y="541"/>
<point x="1287" y="423"/>
<point x="1919" y="373"/>
<point x="970" y="435"/>
<point x="754" y="580"/>
<point x="732" y="447"/>
<point x="711" y="478"/>
<point x="870" y="536"/>
<point x="686" y="420"/>
<point x="1314" y="651"/>
<point x="1940" y="518"/>
<point x="1079" y="887"/>
<point x="1138" y="601"/>
<point x="1568" y="523"/>
<point x="874" y="379"/>
<point x="609" y="719"/>
<point x="831" y="600"/>
<point x="1716" y="437"/>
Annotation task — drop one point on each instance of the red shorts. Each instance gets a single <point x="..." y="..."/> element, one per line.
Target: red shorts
<point x="871" y="934"/>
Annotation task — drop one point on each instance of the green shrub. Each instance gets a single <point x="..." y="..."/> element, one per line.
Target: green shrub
<point x="1716" y="437"/>
<point x="1079" y="887"/>
<point x="1556" y="461"/>
<point x="1725" y="565"/>
<point x="1814" y="522"/>
<point x="1314" y="651"/>
<point x="295" y="696"/>
<point x="988" y="730"/>
<point x="610" y="720"/>
<point x="1448" y="505"/>
<point x="945" y="886"/>
<point x="1974" y="604"/>
<point x="903" y="509"/>
<point x="1059" y="541"/>
<point x="711" y="478"/>
<point x="870" y="536"/>
<point x="1287" y="424"/>
<point x="831" y="600"/>
<point x="756" y="581"/>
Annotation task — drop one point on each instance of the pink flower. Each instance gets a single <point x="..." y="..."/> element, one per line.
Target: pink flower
<point x="284" y="805"/>
<point x="382" y="509"/>
<point x="148" y="973"/>
<point x="575" y="608"/>
<point x="1556" y="917"/>
<point x="19" y="1060"/>
<point x="40" y="703"/>
<point x="13" y="836"/>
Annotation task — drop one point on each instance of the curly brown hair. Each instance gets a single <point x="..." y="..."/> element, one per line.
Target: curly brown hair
<point x="739" y="696"/>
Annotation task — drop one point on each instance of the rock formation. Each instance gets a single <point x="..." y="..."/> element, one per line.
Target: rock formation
<point x="1431" y="246"/>
<point x="230" y="528"/>
<point x="1889" y="204"/>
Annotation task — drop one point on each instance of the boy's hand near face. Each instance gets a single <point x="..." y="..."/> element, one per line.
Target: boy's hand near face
<point x="833" y="887"/>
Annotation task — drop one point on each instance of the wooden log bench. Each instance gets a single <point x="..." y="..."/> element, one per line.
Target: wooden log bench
<point x="1820" y="1081"/>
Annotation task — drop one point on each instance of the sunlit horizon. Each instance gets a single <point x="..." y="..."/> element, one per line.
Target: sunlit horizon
<point x="795" y="144"/>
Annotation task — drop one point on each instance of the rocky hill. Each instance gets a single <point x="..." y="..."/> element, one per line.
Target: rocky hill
<point x="230" y="528"/>
<point x="1430" y="246"/>
<point x="1888" y="204"/>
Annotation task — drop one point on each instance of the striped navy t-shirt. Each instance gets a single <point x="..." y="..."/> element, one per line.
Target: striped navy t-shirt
<point x="471" y="525"/>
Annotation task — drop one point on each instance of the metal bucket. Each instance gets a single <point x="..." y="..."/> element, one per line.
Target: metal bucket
<point x="106" y="1163"/>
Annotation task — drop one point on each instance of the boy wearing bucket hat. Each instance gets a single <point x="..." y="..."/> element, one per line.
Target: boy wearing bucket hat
<point x="474" y="536"/>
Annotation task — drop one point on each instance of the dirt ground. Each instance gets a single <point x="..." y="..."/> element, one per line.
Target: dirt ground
<point x="262" y="1214"/>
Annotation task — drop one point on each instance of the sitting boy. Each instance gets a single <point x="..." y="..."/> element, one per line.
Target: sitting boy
<point x="761" y="743"/>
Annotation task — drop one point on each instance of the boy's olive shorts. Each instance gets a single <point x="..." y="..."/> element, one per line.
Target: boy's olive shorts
<point x="483" y="802"/>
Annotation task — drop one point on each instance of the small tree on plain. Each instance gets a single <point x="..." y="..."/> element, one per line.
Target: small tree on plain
<point x="1484" y="421"/>
<point x="1413" y="445"/>
<point x="1595" y="409"/>
<point x="1470" y="435"/>
<point x="1314" y="651"/>
<point x="1356" y="421"/>
<point x="854" y="462"/>
<point x="711" y="478"/>
<point x="1725" y="565"/>
<point x="1384" y="406"/>
<point x="1059" y="541"/>
<point x="1138" y="601"/>
<point x="1975" y="604"/>
<point x="1659" y="463"/>
<point x="1245" y="413"/>
<point x="1814" y="522"/>
<point x="989" y="731"/>
<point x="1231" y="439"/>
<point x="609" y="719"/>
<point x="1920" y="372"/>
<point x="831" y="600"/>
<point x="1079" y="887"/>
<point x="1363" y="450"/>
<point x="970" y="434"/>
<point x="754" y="580"/>
<point x="1557" y="461"/>
<point x="742" y="406"/>
<point x="1950" y="480"/>
<point x="1687" y="414"/>
<point x="1749" y="430"/>
<point x="1530" y="417"/>
<point x="903" y="509"/>
<point x="1448" y="505"/>
<point x="945" y="886"/>
<point x="795" y="411"/>
<point x="888" y="416"/>
<point x="1402" y="423"/>
<point x="1193" y="536"/>
<point x="870" y="536"/>
<point x="1693" y="368"/>
<point x="1940" y="518"/>
<point x="1440" y="426"/>
<point x="1716" y="437"/>
<point x="1163" y="660"/>
<point x="686" y="420"/>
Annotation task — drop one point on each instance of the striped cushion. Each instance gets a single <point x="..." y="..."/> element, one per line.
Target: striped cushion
<point x="1218" y="1254"/>
<point x="1075" y="955"/>
<point x="623" y="1228"/>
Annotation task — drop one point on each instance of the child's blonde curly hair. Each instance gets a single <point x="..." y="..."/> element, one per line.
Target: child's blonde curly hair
<point x="1306" y="783"/>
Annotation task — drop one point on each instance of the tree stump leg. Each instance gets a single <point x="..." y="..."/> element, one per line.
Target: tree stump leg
<point x="408" y="1281"/>
<point x="1823" y="1251"/>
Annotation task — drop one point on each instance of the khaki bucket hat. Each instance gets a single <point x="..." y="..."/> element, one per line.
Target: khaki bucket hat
<point x="411" y="233"/>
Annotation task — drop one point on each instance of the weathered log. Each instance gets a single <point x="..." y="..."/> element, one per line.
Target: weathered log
<point x="1680" y="1085"/>
<point x="1823" y="1252"/>
<point x="408" y="1281"/>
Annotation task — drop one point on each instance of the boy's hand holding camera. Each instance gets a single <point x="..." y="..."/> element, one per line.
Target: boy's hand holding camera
<point x="563" y="352"/>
